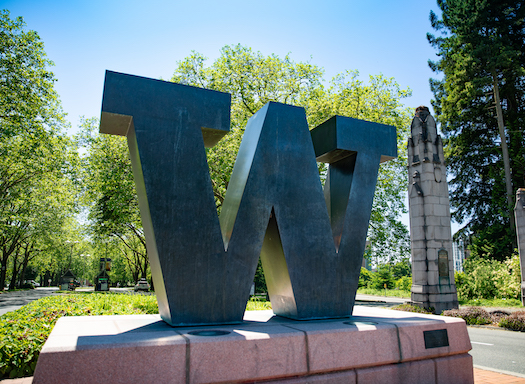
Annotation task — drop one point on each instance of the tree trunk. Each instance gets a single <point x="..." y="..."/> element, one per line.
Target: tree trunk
<point x="3" y="272"/>
<point x="25" y="261"/>
<point x="14" y="275"/>
<point x="506" y="161"/>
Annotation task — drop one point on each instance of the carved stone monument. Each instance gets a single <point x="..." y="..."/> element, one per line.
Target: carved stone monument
<point x="431" y="240"/>
<point x="519" y="213"/>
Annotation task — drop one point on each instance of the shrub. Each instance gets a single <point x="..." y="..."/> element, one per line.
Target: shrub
<point x="404" y="283"/>
<point x="364" y="278"/>
<point x="413" y="308"/>
<point x="515" y="321"/>
<point x="381" y="277"/>
<point x="497" y="315"/>
<point x="471" y="315"/>
<point x="258" y="304"/>
<point x="489" y="279"/>
<point x="23" y="332"/>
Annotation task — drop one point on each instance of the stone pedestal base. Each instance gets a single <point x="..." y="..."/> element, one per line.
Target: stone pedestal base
<point x="439" y="297"/>
<point x="373" y="346"/>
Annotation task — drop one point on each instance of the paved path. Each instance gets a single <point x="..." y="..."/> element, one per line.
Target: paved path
<point x="12" y="300"/>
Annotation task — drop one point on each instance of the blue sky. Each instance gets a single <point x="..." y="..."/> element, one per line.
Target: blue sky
<point x="147" y="38"/>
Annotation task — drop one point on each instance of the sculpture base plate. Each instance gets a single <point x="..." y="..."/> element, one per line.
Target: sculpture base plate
<point x="373" y="346"/>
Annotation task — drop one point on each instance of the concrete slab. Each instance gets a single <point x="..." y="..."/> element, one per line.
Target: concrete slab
<point x="372" y="345"/>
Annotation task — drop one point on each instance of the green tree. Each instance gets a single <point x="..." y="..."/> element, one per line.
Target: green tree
<point x="490" y="279"/>
<point x="479" y="103"/>
<point x="37" y="161"/>
<point x="111" y="198"/>
<point x="254" y="79"/>
<point x="382" y="278"/>
<point x="401" y="269"/>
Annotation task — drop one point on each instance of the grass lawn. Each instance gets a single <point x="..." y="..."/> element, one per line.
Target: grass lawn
<point x="492" y="303"/>
<point x="383" y="292"/>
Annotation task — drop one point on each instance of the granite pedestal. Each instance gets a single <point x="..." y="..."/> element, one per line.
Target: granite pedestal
<point x="373" y="346"/>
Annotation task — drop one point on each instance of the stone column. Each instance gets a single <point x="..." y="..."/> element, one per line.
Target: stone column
<point x="431" y="240"/>
<point x="519" y="213"/>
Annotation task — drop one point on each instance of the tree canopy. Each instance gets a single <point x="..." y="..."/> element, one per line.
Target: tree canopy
<point x="37" y="160"/>
<point x="254" y="79"/>
<point x="111" y="198"/>
<point x="480" y="48"/>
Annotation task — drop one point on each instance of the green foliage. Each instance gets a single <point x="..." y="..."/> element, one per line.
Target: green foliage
<point x="471" y="315"/>
<point x="259" y="280"/>
<point x="23" y="332"/>
<point x="412" y="308"/>
<point x="109" y="192"/>
<point x="396" y="275"/>
<point x="402" y="268"/>
<point x="383" y="292"/>
<point x="365" y="277"/>
<point x="404" y="283"/>
<point x="382" y="278"/>
<point x="515" y="321"/>
<point x="480" y="47"/>
<point x="28" y="101"/>
<point x="491" y="302"/>
<point x="38" y="163"/>
<point x="257" y="304"/>
<point x="254" y="79"/>
<point x="489" y="279"/>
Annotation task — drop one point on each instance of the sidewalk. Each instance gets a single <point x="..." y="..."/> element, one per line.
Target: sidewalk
<point x="481" y="376"/>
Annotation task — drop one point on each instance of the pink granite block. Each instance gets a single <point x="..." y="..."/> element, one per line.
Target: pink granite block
<point x="413" y="342"/>
<point x="247" y="353"/>
<point x="414" y="372"/>
<point x="412" y="326"/>
<point x="343" y="345"/>
<point x="91" y="350"/>
<point x="121" y="365"/>
<point x="345" y="377"/>
<point x="455" y="369"/>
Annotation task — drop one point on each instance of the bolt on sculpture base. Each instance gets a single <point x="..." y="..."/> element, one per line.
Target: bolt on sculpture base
<point x="203" y="267"/>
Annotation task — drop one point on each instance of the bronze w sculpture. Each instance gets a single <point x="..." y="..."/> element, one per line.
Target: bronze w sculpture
<point x="310" y="241"/>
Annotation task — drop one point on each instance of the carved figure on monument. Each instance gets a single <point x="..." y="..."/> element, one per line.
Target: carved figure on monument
<point x="430" y="233"/>
<point x="519" y="214"/>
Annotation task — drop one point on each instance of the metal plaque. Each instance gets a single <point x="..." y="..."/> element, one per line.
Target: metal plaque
<point x="443" y="263"/>
<point x="436" y="339"/>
